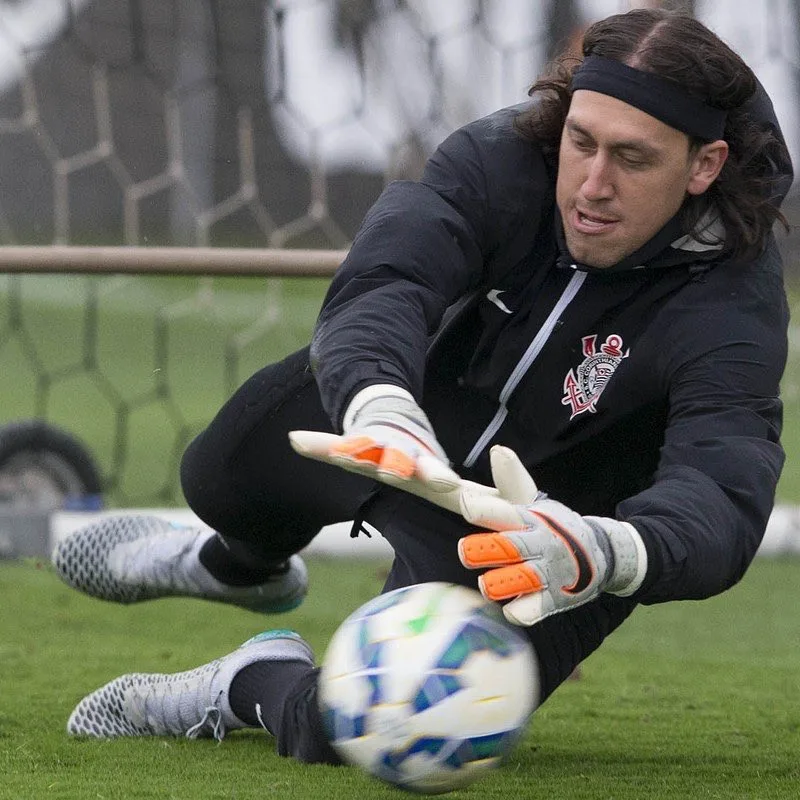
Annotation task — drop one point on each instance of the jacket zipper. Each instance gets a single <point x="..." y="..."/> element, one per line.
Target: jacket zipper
<point x="524" y="364"/>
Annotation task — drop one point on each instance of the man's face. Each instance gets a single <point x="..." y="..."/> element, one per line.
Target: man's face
<point x="622" y="175"/>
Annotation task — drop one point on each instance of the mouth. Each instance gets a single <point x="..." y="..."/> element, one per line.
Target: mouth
<point x="591" y="224"/>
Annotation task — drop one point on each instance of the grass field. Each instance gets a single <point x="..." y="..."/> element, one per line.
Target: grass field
<point x="135" y="366"/>
<point x="686" y="700"/>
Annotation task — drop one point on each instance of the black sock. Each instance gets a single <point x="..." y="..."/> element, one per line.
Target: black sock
<point x="228" y="564"/>
<point x="265" y="684"/>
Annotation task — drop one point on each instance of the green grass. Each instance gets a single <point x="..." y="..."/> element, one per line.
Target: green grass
<point x="686" y="700"/>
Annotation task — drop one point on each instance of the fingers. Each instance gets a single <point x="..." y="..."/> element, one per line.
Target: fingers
<point x="515" y="487"/>
<point x="505" y="583"/>
<point x="356" y="453"/>
<point x="526" y="610"/>
<point x="425" y="476"/>
<point x="365" y="455"/>
<point x="522" y="585"/>
<point x="438" y="476"/>
<point x="490" y="511"/>
<point x="480" y="550"/>
<point x="365" y="451"/>
<point x="511" y="574"/>
<point x="510" y="476"/>
<point x="312" y="444"/>
<point x="478" y="488"/>
<point x="449" y="499"/>
<point x="393" y="463"/>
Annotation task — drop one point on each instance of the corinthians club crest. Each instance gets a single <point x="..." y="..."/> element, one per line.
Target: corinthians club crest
<point x="584" y="385"/>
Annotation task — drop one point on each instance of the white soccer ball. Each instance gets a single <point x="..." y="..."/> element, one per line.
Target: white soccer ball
<point x="427" y="687"/>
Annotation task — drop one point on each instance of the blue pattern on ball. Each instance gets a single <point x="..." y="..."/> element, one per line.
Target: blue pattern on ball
<point x="340" y="726"/>
<point x="438" y="686"/>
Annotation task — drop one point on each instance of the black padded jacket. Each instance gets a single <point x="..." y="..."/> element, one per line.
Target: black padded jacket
<point x="648" y="392"/>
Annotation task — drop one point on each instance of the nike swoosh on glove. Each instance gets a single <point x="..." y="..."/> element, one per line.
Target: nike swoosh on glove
<point x="541" y="557"/>
<point x="388" y="437"/>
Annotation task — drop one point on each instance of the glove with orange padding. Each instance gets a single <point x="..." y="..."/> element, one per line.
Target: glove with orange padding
<point x="543" y="557"/>
<point x="388" y="437"/>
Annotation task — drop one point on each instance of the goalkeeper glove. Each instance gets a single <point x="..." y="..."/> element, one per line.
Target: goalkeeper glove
<point x="388" y="437"/>
<point x="543" y="557"/>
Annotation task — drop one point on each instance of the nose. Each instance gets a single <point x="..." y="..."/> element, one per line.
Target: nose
<point x="598" y="184"/>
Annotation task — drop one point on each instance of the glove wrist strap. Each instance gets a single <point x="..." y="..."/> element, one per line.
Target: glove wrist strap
<point x="630" y="556"/>
<point x="370" y="393"/>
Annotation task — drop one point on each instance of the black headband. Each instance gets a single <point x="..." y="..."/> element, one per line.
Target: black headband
<point x="660" y="97"/>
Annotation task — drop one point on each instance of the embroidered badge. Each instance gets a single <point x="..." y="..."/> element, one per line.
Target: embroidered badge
<point x="584" y="385"/>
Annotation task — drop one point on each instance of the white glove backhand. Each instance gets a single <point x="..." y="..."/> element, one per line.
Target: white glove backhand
<point x="388" y="438"/>
<point x="543" y="557"/>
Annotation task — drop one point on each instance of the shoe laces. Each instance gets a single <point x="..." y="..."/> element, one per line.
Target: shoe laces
<point x="170" y="704"/>
<point x="211" y="714"/>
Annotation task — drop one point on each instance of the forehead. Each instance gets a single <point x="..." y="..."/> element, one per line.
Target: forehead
<point x="610" y="120"/>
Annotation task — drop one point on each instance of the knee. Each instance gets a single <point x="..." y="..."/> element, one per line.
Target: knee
<point x="203" y="481"/>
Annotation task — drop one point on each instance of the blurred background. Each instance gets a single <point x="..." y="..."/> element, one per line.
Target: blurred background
<point x="247" y="123"/>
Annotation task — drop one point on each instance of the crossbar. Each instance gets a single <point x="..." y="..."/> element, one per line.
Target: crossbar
<point x="170" y="260"/>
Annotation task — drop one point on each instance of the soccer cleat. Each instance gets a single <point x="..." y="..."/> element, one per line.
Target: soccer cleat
<point x="133" y="558"/>
<point x="194" y="703"/>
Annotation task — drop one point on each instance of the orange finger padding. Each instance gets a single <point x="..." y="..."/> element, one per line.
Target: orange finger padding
<point x="507" y="582"/>
<point x="397" y="463"/>
<point x="359" y="448"/>
<point x="488" y="549"/>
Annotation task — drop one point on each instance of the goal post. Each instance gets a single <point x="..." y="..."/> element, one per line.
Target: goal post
<point x="204" y="261"/>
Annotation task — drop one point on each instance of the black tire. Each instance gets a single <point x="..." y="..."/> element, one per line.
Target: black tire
<point x="42" y="466"/>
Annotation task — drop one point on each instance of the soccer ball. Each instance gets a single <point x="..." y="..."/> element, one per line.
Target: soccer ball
<point x="427" y="687"/>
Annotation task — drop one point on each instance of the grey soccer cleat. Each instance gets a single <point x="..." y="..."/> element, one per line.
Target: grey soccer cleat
<point x="194" y="703"/>
<point x="133" y="558"/>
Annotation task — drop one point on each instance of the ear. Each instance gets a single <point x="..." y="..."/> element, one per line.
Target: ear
<point x="706" y="165"/>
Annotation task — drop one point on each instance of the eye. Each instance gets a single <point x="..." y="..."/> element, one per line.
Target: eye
<point x="633" y="160"/>
<point x="583" y="144"/>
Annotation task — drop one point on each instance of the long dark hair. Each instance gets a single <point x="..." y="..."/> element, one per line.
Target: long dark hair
<point x="676" y="46"/>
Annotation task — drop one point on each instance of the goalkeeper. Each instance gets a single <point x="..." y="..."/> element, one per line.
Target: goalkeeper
<point x="548" y="369"/>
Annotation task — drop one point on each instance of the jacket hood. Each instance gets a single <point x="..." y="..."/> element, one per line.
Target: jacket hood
<point x="780" y="172"/>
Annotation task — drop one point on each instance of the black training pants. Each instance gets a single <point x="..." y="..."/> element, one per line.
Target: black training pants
<point x="241" y="477"/>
